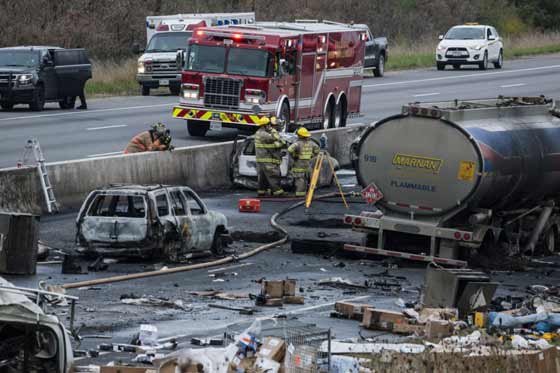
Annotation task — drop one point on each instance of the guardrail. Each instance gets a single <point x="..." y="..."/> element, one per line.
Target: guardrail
<point x="200" y="167"/>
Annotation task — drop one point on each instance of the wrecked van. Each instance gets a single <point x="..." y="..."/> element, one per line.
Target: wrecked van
<point x="149" y="221"/>
<point x="243" y="170"/>
<point x="30" y="340"/>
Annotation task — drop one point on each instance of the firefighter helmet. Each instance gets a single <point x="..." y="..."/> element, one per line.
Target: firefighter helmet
<point x="264" y="121"/>
<point x="159" y="128"/>
<point x="273" y="120"/>
<point x="303" y="132"/>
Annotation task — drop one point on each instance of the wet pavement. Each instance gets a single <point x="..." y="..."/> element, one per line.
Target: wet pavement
<point x="100" y="310"/>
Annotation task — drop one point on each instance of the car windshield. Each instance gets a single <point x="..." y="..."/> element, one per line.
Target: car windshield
<point x="206" y="59"/>
<point x="465" y="33"/>
<point x="24" y="58"/>
<point x="248" y="62"/>
<point x="168" y="42"/>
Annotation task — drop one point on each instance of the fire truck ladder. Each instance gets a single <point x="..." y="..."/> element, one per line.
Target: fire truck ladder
<point x="33" y="147"/>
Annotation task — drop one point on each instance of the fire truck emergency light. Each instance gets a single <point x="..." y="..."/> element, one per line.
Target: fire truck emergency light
<point x="162" y="27"/>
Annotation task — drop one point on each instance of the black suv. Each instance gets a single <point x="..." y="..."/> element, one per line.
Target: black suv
<point x="36" y="75"/>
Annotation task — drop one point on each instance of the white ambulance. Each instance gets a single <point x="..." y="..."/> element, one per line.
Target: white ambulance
<point x="165" y="35"/>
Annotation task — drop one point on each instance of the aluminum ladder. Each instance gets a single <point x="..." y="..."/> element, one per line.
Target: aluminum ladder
<point x="34" y="147"/>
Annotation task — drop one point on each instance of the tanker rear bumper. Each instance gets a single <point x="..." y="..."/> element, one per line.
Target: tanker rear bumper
<point x="367" y="223"/>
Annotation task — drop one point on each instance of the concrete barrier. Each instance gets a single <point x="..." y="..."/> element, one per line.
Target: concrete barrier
<point x="200" y="167"/>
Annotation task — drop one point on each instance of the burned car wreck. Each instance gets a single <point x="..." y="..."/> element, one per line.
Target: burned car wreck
<point x="243" y="170"/>
<point x="149" y="221"/>
<point x="30" y="340"/>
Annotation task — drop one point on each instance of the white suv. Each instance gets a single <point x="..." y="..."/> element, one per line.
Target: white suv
<point x="470" y="44"/>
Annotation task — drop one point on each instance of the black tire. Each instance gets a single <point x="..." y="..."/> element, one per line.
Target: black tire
<point x="218" y="247"/>
<point x="175" y="90"/>
<point x="145" y="91"/>
<point x="284" y="116"/>
<point x="440" y="66"/>
<point x="484" y="64"/>
<point x="328" y="119"/>
<point x="197" y="128"/>
<point x="38" y="102"/>
<point x="67" y="103"/>
<point x="550" y="240"/>
<point x="340" y="113"/>
<point x="456" y="67"/>
<point x="379" y="70"/>
<point x="7" y="105"/>
<point x="500" y="63"/>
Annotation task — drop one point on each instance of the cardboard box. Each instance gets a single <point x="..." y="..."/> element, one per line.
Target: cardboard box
<point x="241" y="365"/>
<point x="353" y="311"/>
<point x="379" y="319"/>
<point x="290" y="287"/>
<point x="294" y="299"/>
<point x="274" y="302"/>
<point x="407" y="329"/>
<point x="273" y="289"/>
<point x="438" y="329"/>
<point x="273" y="349"/>
<point x="172" y="366"/>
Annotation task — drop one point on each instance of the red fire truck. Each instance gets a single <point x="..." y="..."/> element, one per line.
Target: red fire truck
<point x="305" y="73"/>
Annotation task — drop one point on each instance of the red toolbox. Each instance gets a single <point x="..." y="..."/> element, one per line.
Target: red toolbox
<point x="249" y="205"/>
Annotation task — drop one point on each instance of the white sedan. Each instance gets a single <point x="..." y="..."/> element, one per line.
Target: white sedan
<point x="470" y="44"/>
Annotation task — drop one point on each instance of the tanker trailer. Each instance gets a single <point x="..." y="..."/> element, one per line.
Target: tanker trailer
<point x="477" y="174"/>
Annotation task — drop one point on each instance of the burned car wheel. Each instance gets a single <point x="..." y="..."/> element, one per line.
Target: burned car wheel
<point x="218" y="245"/>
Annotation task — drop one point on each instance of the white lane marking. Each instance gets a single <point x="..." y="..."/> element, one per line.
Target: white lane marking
<point x="426" y="94"/>
<point x="106" y="127"/>
<point x="513" y="85"/>
<point x="463" y="76"/>
<point x="84" y="112"/>
<point x="103" y="154"/>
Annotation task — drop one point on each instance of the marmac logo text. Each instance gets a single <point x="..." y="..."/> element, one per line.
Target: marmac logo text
<point x="412" y="161"/>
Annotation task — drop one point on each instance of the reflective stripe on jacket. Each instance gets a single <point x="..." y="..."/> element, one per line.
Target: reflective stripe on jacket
<point x="268" y="145"/>
<point x="302" y="151"/>
<point x="140" y="143"/>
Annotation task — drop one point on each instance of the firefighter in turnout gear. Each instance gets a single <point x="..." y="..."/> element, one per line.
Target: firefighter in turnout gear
<point x="269" y="145"/>
<point x="302" y="151"/>
<point x="156" y="139"/>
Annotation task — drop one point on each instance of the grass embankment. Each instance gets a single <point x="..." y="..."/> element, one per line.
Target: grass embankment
<point x="422" y="54"/>
<point x="118" y="78"/>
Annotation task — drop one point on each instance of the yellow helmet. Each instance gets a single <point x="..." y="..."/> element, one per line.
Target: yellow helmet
<point x="264" y="121"/>
<point x="303" y="132"/>
<point x="273" y="120"/>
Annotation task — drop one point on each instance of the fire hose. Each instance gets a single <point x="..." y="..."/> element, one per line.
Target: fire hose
<point x="228" y="259"/>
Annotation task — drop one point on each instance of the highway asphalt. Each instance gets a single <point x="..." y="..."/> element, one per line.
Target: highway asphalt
<point x="108" y="125"/>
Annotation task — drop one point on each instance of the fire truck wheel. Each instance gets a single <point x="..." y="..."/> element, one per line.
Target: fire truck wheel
<point x="197" y="128"/>
<point x="328" y="119"/>
<point x="145" y="91"/>
<point x="285" y="117"/>
<point x="175" y="90"/>
<point x="340" y="113"/>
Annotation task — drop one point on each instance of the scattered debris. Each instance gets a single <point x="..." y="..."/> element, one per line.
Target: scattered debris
<point x="220" y="295"/>
<point x="132" y="299"/>
<point x="339" y="282"/>
<point x="241" y="310"/>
